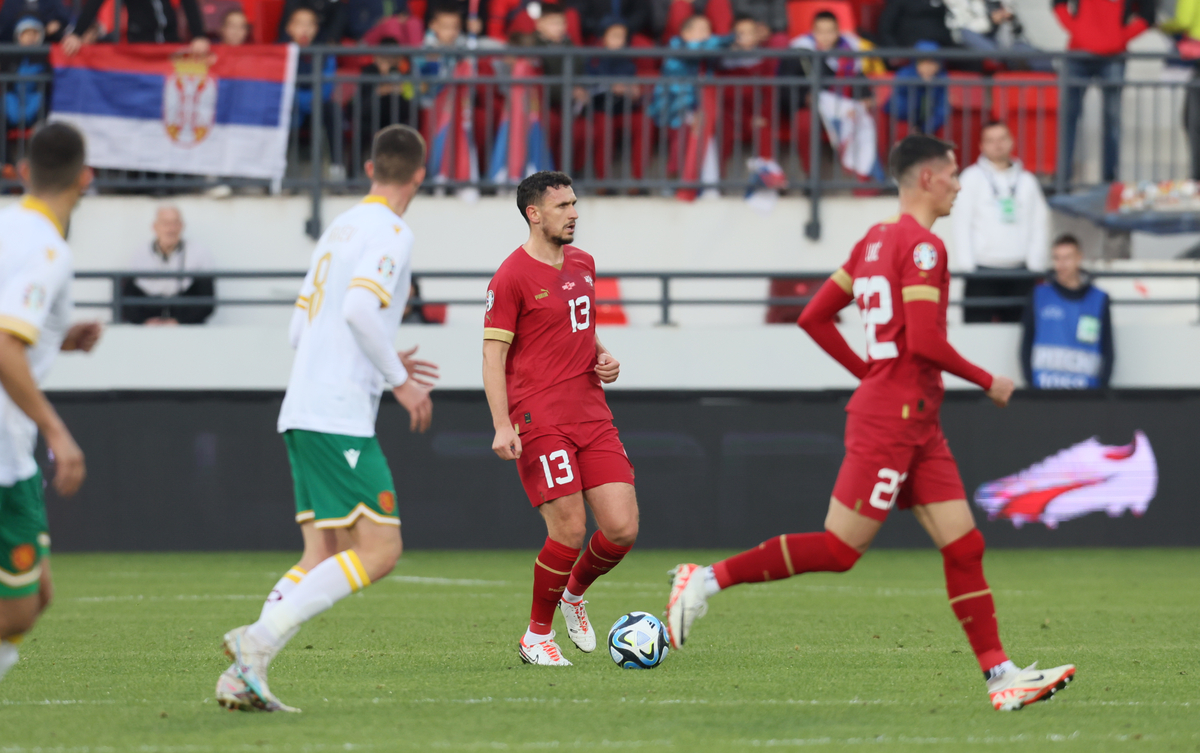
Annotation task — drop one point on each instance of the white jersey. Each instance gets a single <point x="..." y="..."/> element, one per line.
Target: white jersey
<point x="334" y="388"/>
<point x="35" y="306"/>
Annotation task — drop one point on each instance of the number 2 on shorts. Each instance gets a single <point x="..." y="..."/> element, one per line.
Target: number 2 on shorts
<point x="887" y="487"/>
<point x="565" y="465"/>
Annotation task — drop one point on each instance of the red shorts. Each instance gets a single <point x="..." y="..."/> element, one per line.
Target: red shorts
<point x="557" y="461"/>
<point x="895" y="463"/>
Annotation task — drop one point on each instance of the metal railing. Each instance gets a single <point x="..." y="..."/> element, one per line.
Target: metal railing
<point x="642" y="140"/>
<point x="664" y="301"/>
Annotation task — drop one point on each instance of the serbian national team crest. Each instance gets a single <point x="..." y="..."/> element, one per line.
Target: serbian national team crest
<point x="23" y="557"/>
<point x="387" y="502"/>
<point x="387" y="267"/>
<point x="189" y="101"/>
<point x="588" y="280"/>
<point x="491" y="300"/>
<point x="925" y="256"/>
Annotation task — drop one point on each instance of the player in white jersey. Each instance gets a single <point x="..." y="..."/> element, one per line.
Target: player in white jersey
<point x="343" y="329"/>
<point x="35" y="323"/>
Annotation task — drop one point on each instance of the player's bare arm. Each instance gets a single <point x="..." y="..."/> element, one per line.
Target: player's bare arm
<point x="17" y="379"/>
<point x="507" y="443"/>
<point x="607" y="367"/>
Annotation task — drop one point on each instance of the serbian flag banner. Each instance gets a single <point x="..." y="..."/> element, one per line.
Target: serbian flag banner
<point x="452" y="156"/>
<point x="153" y="107"/>
<point x="521" y="148"/>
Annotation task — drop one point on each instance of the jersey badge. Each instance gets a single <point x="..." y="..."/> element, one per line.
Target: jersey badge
<point x="491" y="300"/>
<point x="544" y="294"/>
<point x="35" y="297"/>
<point x="588" y="279"/>
<point x="568" y="285"/>
<point x="387" y="267"/>
<point x="23" y="557"/>
<point x="925" y="256"/>
<point x="387" y="502"/>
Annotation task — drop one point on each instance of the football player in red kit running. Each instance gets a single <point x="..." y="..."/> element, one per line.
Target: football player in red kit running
<point x="543" y="366"/>
<point x="896" y="454"/>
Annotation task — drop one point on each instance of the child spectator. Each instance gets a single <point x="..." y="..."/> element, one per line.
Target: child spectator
<point x="747" y="109"/>
<point x="302" y="27"/>
<point x="846" y="111"/>
<point x="384" y="103"/>
<point x="54" y="14"/>
<point x="235" y="28"/>
<point x="597" y="16"/>
<point x="615" y="107"/>
<point x="23" y="100"/>
<point x="674" y="104"/>
<point x="718" y="12"/>
<point x="919" y="97"/>
<point x="473" y="27"/>
<point x="329" y="15"/>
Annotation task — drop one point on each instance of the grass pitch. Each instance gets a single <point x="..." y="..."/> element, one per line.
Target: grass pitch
<point x="426" y="660"/>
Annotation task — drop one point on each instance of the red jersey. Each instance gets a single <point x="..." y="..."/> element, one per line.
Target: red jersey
<point x="894" y="263"/>
<point x="547" y="314"/>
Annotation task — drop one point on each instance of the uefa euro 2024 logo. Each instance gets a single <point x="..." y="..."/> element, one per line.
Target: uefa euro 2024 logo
<point x="189" y="101"/>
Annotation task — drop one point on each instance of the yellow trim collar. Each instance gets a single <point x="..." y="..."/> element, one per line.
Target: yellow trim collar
<point x="34" y="204"/>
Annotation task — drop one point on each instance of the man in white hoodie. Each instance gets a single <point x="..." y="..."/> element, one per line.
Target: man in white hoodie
<point x="1000" y="225"/>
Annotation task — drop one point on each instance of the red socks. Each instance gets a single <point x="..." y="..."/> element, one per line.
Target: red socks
<point x="971" y="599"/>
<point x="550" y="573"/>
<point x="785" y="556"/>
<point x="600" y="556"/>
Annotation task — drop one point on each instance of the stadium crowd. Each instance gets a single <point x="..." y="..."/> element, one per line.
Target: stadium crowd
<point x="914" y="93"/>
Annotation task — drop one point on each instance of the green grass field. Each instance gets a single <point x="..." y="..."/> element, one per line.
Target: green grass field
<point x="128" y="657"/>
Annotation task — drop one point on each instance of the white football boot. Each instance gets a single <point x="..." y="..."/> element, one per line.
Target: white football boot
<point x="231" y="691"/>
<point x="8" y="657"/>
<point x="251" y="657"/>
<point x="578" y="627"/>
<point x="1014" y="690"/>
<point x="547" y="653"/>
<point x="687" y="602"/>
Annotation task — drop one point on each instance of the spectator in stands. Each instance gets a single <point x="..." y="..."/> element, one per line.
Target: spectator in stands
<point x="384" y="103"/>
<point x="904" y="23"/>
<point x="1001" y="224"/>
<point x="919" y="97"/>
<point x="303" y="28"/>
<point x="395" y="21"/>
<point x="148" y="21"/>
<point x="597" y="16"/>
<point x="846" y="111"/>
<point x="168" y="252"/>
<point x="235" y="28"/>
<point x="1186" y="24"/>
<point x="54" y="15"/>
<point x="473" y="27"/>
<point x="746" y="110"/>
<point x="329" y="15"/>
<point x="551" y="31"/>
<point x="444" y="35"/>
<point x="24" y="100"/>
<point x="615" y="107"/>
<point x="1067" y="339"/>
<point x="990" y="25"/>
<point x="772" y="13"/>
<point x="674" y="104"/>
<point x="718" y="12"/>
<point x="1104" y="28"/>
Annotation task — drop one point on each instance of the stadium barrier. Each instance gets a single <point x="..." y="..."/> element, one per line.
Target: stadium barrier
<point x="169" y="471"/>
<point x="664" y="302"/>
<point x="490" y="115"/>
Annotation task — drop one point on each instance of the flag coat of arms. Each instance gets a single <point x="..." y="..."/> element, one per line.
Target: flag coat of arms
<point x="154" y="107"/>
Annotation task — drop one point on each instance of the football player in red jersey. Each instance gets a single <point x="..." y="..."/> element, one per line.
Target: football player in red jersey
<point x="543" y="366"/>
<point x="896" y="454"/>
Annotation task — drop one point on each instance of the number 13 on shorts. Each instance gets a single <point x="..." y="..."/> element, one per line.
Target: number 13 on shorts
<point x="888" y="486"/>
<point x="564" y="466"/>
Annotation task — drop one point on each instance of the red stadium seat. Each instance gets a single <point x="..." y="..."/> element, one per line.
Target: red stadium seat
<point x="967" y="115"/>
<point x="802" y="13"/>
<point x="609" y="289"/>
<point x="264" y="17"/>
<point x="1028" y="103"/>
<point x="417" y="8"/>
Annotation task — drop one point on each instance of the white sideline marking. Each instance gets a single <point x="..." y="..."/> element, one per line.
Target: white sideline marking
<point x="447" y="581"/>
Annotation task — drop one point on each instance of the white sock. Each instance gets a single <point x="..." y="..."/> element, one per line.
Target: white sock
<point x="532" y="637"/>
<point x="289" y="581"/>
<point x="710" y="581"/>
<point x="571" y="598"/>
<point x="1002" y="668"/>
<point x="323" y="586"/>
<point x="8" y="657"/>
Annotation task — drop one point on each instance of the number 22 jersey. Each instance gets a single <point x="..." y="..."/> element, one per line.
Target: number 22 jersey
<point x="895" y="263"/>
<point x="547" y="315"/>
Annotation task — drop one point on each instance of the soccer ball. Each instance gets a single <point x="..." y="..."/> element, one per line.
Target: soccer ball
<point x="637" y="641"/>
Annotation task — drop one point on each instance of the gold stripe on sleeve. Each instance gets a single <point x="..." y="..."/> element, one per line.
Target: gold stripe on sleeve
<point x="920" y="293"/>
<point x="20" y="328"/>
<point x="842" y="278"/>
<point x="385" y="297"/>
<point x="494" y="333"/>
<point x="302" y="302"/>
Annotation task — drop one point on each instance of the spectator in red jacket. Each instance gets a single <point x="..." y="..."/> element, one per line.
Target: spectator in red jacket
<point x="1104" y="28"/>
